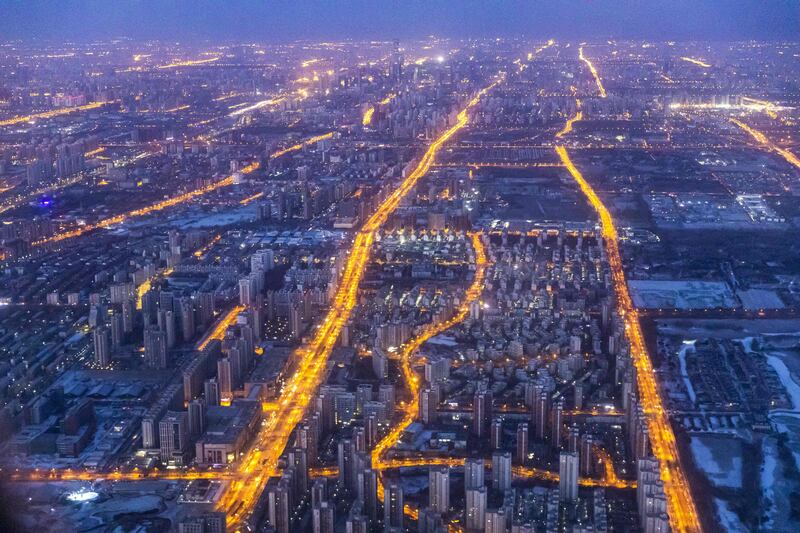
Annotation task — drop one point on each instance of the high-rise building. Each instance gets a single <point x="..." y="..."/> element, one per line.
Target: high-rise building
<point x="428" y="402"/>
<point x="474" y="473"/>
<point x="496" y="437"/>
<point x="393" y="506"/>
<point x="155" y="348"/>
<point x="225" y="379"/>
<point x="197" y="418"/>
<point x="345" y="462"/>
<point x="211" y="392"/>
<point x="279" y="505"/>
<point x="368" y="492"/>
<point x="557" y="420"/>
<point x="501" y="471"/>
<point x="481" y="413"/>
<point x="475" y="509"/>
<point x="173" y="437"/>
<point x="496" y="521"/>
<point x="522" y="443"/>
<point x="541" y="413"/>
<point x="102" y="346"/>
<point x="439" y="489"/>
<point x="298" y="458"/>
<point x="322" y="518"/>
<point x="568" y="476"/>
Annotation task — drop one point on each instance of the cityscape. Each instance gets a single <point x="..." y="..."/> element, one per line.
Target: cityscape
<point x="400" y="283"/>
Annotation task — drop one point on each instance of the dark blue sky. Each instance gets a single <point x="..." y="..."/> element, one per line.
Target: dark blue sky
<point x="282" y="20"/>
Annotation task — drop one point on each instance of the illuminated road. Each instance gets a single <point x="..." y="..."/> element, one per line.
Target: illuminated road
<point x="680" y="505"/>
<point x="51" y="114"/>
<point x="158" y="206"/>
<point x="189" y="63"/>
<point x="219" y="329"/>
<point x="260" y="462"/>
<point x="766" y="143"/>
<point x="597" y="80"/>
<point x="409" y="349"/>
<point x="366" y="120"/>
<point x="175" y="200"/>
<point x="570" y="121"/>
<point x="696" y="62"/>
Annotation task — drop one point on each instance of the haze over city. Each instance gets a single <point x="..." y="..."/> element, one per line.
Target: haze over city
<point x="424" y="267"/>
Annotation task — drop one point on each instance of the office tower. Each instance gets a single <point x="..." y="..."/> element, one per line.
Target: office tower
<point x="155" y="348"/>
<point x="568" y="476"/>
<point x="522" y="443"/>
<point x="496" y="437"/>
<point x="368" y="492"/>
<point x="298" y="458"/>
<point x="205" y="523"/>
<point x="211" y="392"/>
<point x="397" y="63"/>
<point x="197" y="418"/>
<point x="439" y="489"/>
<point x="279" y="506"/>
<point x="501" y="471"/>
<point x="428" y="401"/>
<point x="496" y="521"/>
<point x="557" y="421"/>
<point x="322" y="518"/>
<point x="481" y="412"/>
<point x="393" y="506"/>
<point x="102" y="346"/>
<point x="225" y="379"/>
<point x="173" y="436"/>
<point x="475" y="509"/>
<point x="474" y="473"/>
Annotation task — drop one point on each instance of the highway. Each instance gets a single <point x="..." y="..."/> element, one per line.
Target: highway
<point x="680" y="504"/>
<point x="260" y="462"/>
<point x="593" y="70"/>
<point x="762" y="139"/>
<point x="53" y="113"/>
<point x="696" y="62"/>
<point x="175" y="200"/>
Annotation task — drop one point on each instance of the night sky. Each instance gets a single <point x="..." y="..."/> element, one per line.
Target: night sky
<point x="282" y="20"/>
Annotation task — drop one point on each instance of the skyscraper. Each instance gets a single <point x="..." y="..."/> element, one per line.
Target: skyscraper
<point x="481" y="413"/>
<point x="102" y="346"/>
<point x="475" y="509"/>
<point x="568" y="476"/>
<point x="501" y="471"/>
<point x="439" y="489"/>
<point x="173" y="437"/>
<point x="522" y="443"/>
<point x="473" y="473"/>
<point x="155" y="348"/>
<point x="393" y="505"/>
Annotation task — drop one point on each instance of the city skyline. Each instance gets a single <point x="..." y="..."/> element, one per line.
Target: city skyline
<point x="480" y="279"/>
